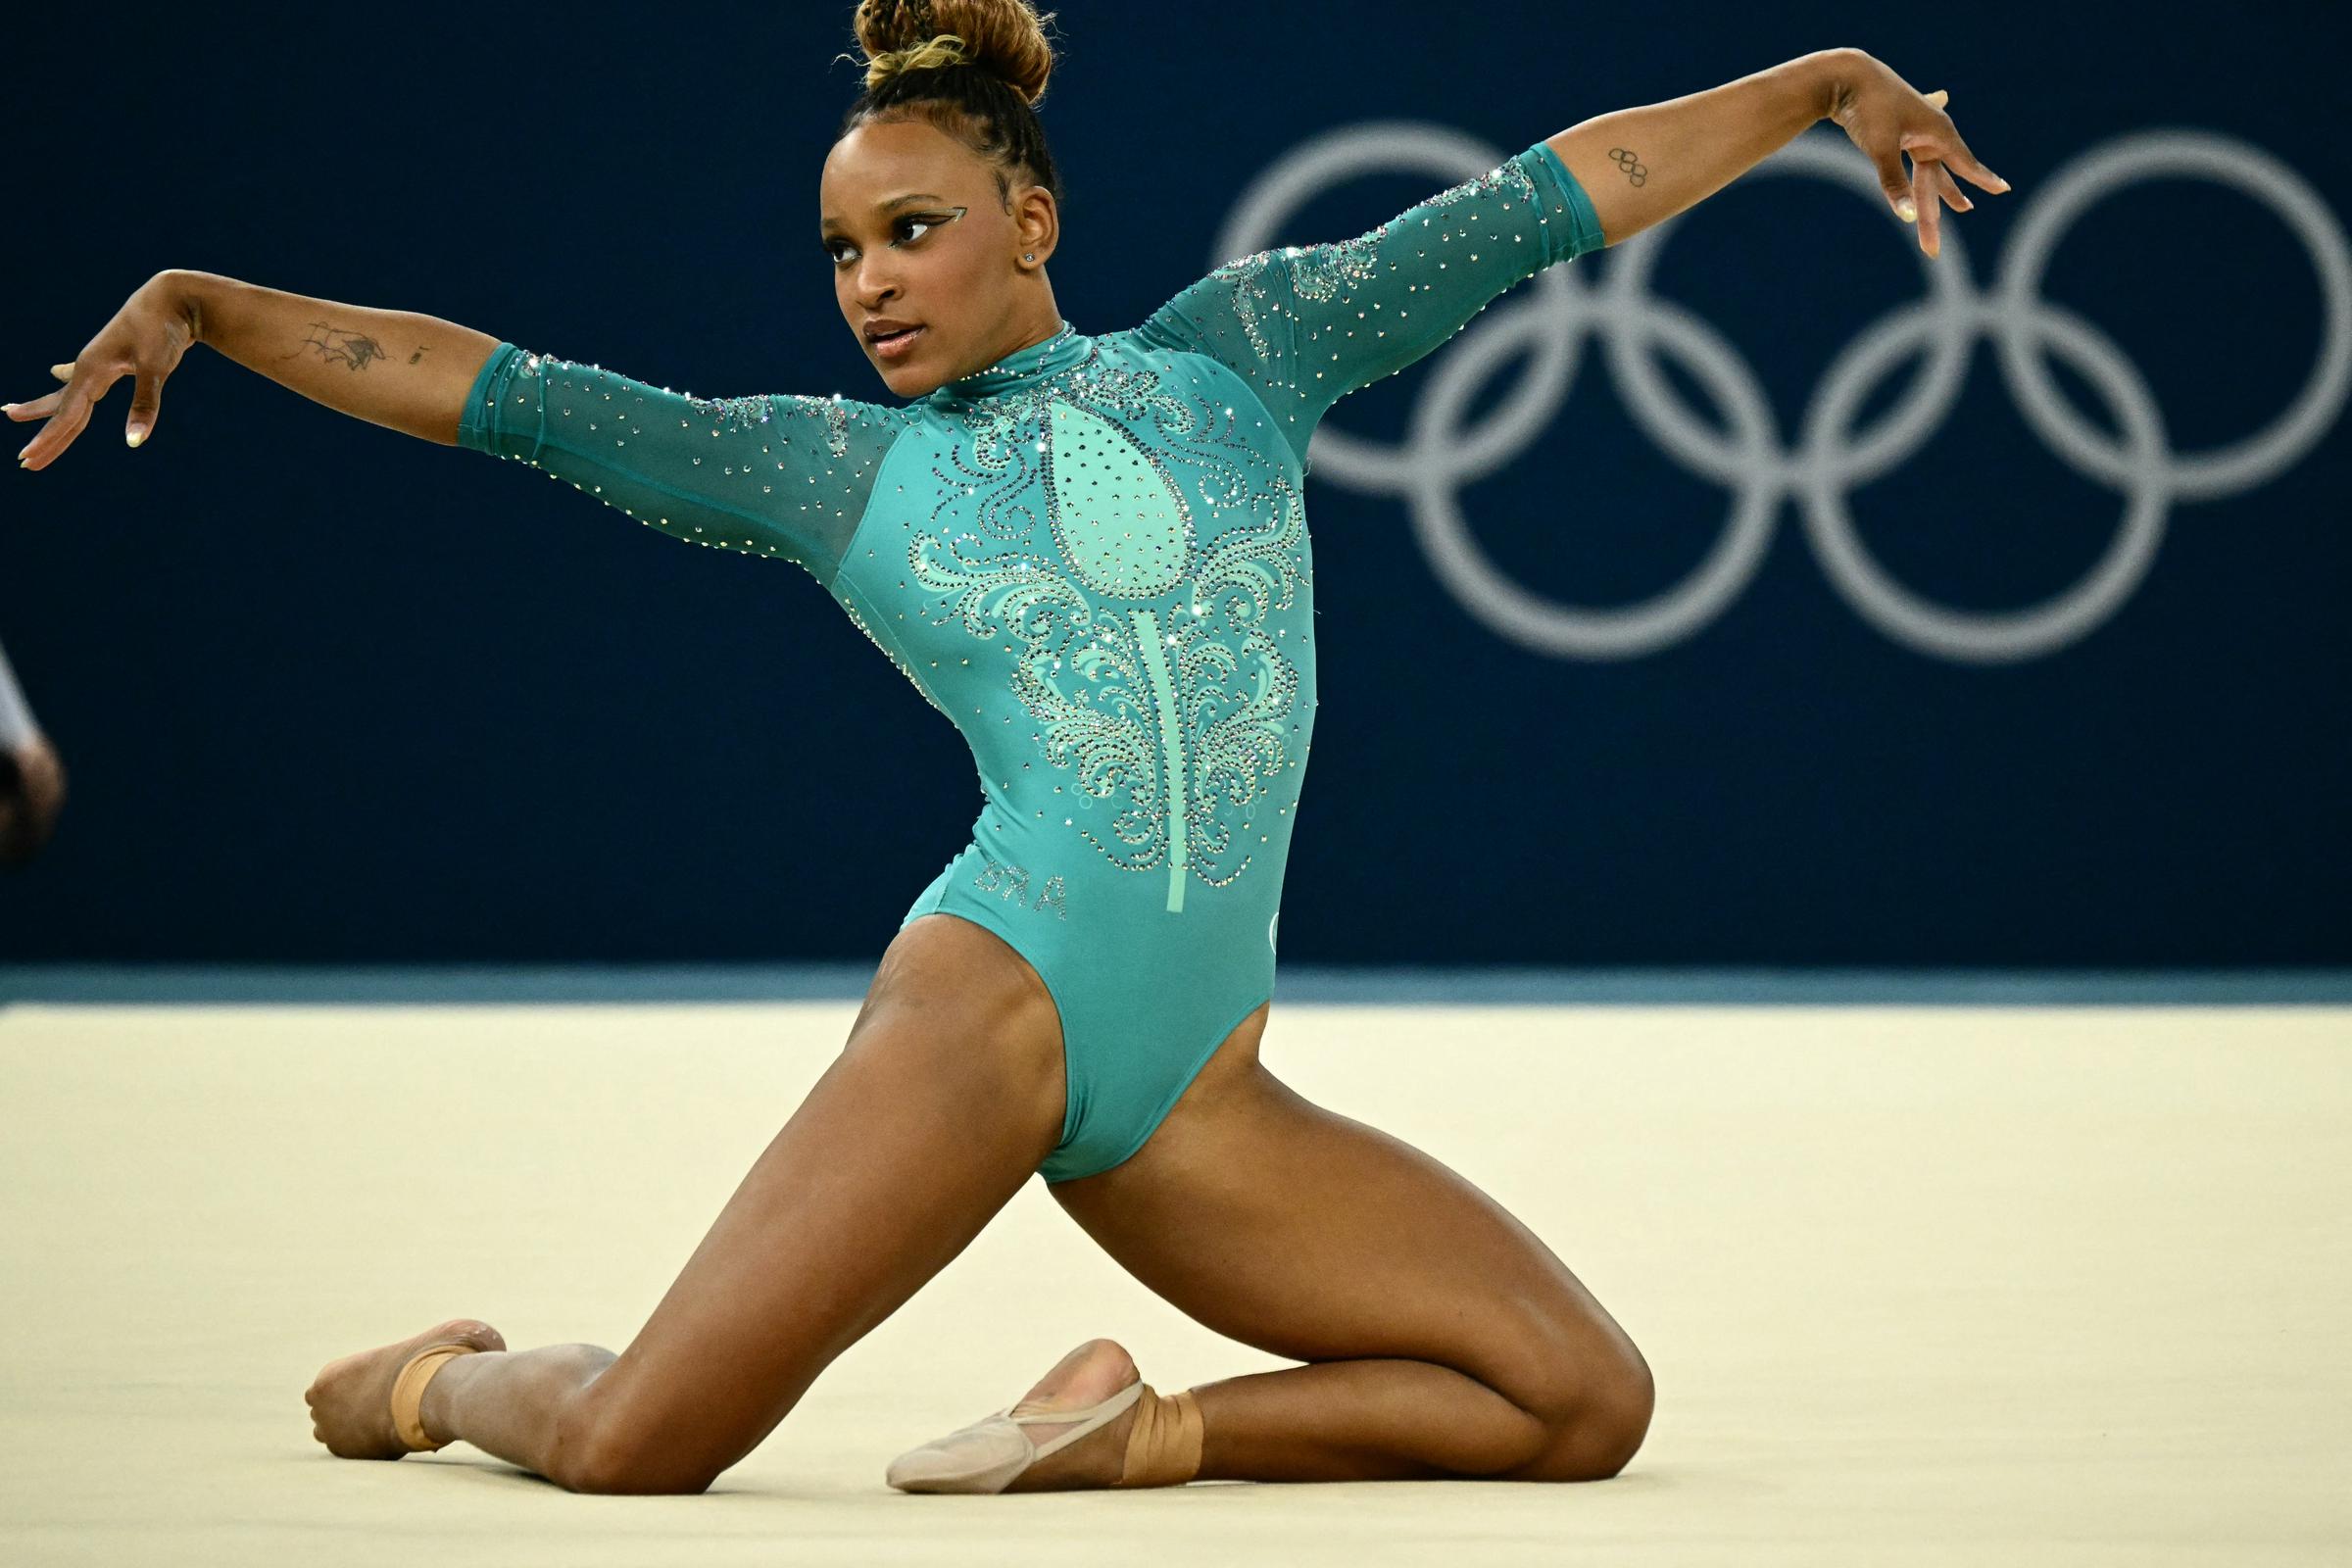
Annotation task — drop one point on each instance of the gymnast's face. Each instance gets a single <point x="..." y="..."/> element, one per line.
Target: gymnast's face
<point x="916" y="235"/>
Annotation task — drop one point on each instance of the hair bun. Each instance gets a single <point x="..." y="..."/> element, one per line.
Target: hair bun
<point x="1004" y="37"/>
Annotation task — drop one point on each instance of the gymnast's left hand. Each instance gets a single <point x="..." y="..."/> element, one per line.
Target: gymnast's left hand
<point x="1886" y="118"/>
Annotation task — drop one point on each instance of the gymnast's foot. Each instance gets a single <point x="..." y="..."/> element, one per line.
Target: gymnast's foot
<point x="32" y="791"/>
<point x="350" y="1399"/>
<point x="1086" y="1376"/>
<point x="1000" y="1452"/>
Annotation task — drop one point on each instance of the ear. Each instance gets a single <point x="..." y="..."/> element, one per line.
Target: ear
<point x="1037" y="223"/>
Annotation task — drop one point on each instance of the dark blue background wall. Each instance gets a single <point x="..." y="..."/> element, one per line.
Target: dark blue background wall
<point x="331" y="694"/>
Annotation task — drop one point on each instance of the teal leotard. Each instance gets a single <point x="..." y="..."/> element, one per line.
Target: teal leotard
<point x="1092" y="557"/>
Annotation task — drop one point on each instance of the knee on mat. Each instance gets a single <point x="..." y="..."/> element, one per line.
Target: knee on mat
<point x="1601" y="1432"/>
<point x="620" y="1474"/>
<point x="603" y="1458"/>
<point x="1593" y="1413"/>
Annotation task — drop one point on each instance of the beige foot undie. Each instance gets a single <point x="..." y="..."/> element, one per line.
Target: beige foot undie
<point x="1016" y="1448"/>
<point x="366" y="1406"/>
<point x="408" y="1395"/>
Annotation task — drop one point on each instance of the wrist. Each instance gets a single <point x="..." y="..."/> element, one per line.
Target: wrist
<point x="1831" y="77"/>
<point x="187" y="295"/>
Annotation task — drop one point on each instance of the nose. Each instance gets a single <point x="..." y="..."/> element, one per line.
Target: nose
<point x="872" y="287"/>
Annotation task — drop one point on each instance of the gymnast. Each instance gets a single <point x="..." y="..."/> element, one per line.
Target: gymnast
<point x="1089" y="553"/>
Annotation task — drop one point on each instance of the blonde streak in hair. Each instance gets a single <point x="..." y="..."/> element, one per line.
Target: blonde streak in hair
<point x="946" y="49"/>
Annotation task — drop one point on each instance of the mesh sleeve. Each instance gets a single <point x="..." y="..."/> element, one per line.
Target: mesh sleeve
<point x="768" y="475"/>
<point x="1306" y="326"/>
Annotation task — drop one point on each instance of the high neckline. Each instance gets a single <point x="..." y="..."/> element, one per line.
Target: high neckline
<point x="1022" y="369"/>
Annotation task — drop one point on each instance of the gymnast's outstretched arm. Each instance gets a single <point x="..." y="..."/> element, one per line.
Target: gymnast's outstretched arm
<point x="1306" y="326"/>
<point x="1642" y="165"/>
<point x="396" y="368"/>
<point x="785" y="476"/>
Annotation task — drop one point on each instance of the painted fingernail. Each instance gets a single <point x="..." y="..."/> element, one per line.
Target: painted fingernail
<point x="1907" y="209"/>
<point x="135" y="434"/>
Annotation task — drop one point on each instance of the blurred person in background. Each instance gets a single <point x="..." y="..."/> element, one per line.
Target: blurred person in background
<point x="32" y="781"/>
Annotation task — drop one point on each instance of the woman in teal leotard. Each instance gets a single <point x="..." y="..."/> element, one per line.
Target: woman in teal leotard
<point x="1089" y="553"/>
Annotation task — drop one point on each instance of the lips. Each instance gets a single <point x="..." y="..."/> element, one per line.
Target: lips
<point x="895" y="346"/>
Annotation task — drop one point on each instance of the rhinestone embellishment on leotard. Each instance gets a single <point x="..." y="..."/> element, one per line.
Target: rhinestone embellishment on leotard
<point x="1318" y="273"/>
<point x="1177" y="709"/>
<point x="1108" y="557"/>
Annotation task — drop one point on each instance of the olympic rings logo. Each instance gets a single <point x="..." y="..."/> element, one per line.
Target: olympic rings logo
<point x="1559" y="309"/>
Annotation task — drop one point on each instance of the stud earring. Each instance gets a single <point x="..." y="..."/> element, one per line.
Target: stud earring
<point x="1031" y="257"/>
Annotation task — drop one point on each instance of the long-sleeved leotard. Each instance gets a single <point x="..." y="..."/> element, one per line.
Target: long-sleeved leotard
<point x="1092" y="557"/>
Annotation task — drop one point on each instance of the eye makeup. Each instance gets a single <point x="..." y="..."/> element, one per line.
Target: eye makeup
<point x="929" y="220"/>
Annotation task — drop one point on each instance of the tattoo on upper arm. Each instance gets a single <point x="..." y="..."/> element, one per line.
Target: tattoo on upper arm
<point x="418" y="355"/>
<point x="1631" y="163"/>
<point x="339" y="347"/>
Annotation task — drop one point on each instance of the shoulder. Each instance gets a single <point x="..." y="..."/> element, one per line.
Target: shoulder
<point x="1161" y="343"/>
<point x="843" y="421"/>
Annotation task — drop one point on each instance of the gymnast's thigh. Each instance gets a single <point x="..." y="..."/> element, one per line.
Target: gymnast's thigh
<point x="934" y="1114"/>
<point x="1312" y="1236"/>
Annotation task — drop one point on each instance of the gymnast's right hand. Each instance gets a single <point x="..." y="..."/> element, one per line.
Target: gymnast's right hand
<point x="145" y="341"/>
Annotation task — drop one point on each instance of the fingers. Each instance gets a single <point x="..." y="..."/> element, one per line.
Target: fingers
<point x="1955" y="197"/>
<point x="1935" y="183"/>
<point x="1960" y="158"/>
<point x="1953" y="151"/>
<point x="38" y="409"/>
<point x="73" y="414"/>
<point x="53" y="437"/>
<point x="1897" y="184"/>
<point x="1948" y="148"/>
<point x="1931" y="214"/>
<point x="1936" y="150"/>
<point x="147" y="392"/>
<point x="41" y="408"/>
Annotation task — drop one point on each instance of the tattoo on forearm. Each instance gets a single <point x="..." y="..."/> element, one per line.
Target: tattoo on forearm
<point x="418" y="355"/>
<point x="1631" y="163"/>
<point x="339" y="347"/>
